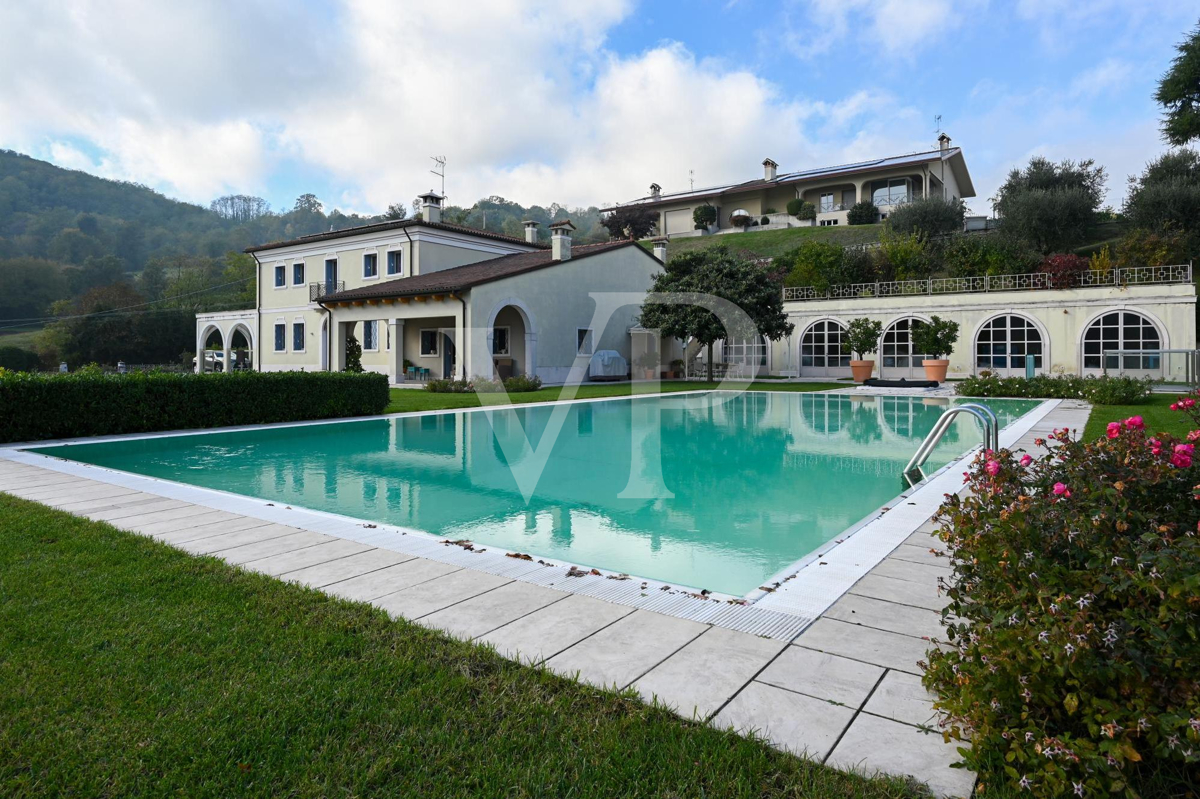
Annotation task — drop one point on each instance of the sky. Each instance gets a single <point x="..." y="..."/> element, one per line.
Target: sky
<point x="576" y="103"/>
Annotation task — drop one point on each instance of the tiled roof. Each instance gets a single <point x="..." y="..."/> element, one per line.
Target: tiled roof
<point x="797" y="177"/>
<point x="395" y="225"/>
<point x="459" y="278"/>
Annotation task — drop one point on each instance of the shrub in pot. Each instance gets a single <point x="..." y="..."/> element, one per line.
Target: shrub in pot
<point x="704" y="216"/>
<point x="935" y="338"/>
<point x="648" y="361"/>
<point x="862" y="337"/>
<point x="677" y="367"/>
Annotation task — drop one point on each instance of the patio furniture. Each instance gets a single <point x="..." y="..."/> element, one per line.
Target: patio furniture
<point x="424" y="370"/>
<point x="410" y="373"/>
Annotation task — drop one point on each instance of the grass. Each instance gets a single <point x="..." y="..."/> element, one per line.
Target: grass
<point x="770" y="243"/>
<point x="408" y="399"/>
<point x="128" y="668"/>
<point x="1156" y="412"/>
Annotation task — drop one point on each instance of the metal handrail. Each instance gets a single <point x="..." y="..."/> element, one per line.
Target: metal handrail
<point x="991" y="436"/>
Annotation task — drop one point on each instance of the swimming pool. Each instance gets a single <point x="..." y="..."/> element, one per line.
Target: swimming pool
<point x="714" y="491"/>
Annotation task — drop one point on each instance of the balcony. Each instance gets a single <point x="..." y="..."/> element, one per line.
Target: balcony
<point x="318" y="290"/>
<point x="1036" y="281"/>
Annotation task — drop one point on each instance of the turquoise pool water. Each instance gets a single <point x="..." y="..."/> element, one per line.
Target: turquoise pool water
<point x="748" y="483"/>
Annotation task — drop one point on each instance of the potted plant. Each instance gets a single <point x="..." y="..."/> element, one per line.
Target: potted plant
<point x="704" y="217"/>
<point x="677" y="368"/>
<point x="862" y="337"/>
<point x="935" y="338"/>
<point x="648" y="361"/>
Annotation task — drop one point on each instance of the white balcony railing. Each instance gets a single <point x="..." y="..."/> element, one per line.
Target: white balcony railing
<point x="1132" y="276"/>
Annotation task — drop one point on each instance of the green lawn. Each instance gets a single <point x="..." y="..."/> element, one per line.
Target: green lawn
<point x="128" y="668"/>
<point x="408" y="399"/>
<point x="1156" y="412"/>
<point x="769" y="243"/>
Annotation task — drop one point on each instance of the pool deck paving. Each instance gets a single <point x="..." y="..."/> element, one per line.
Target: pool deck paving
<point x="846" y="691"/>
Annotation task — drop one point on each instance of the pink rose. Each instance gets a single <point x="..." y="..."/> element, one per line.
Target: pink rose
<point x="1061" y="490"/>
<point x="1190" y="449"/>
<point x="1027" y="459"/>
<point x="1194" y="435"/>
<point x="1187" y="402"/>
<point x="1135" y="423"/>
<point x="992" y="468"/>
<point x="1181" y="460"/>
<point x="1114" y="429"/>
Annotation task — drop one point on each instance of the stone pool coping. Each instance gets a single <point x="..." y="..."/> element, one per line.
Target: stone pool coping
<point x="844" y="691"/>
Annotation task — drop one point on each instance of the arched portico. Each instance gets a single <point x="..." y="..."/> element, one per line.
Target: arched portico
<point x="226" y="341"/>
<point x="511" y="339"/>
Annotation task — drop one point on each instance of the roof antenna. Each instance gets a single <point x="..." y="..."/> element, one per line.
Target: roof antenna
<point x="691" y="180"/>
<point x="440" y="171"/>
<point x="937" y="123"/>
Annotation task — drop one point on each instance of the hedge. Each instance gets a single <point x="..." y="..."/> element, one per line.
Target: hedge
<point x="1102" y="390"/>
<point x="36" y="406"/>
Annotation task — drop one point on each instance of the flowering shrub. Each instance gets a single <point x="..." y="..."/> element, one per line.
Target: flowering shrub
<point x="1064" y="271"/>
<point x="1103" y="390"/>
<point x="484" y="385"/>
<point x="1073" y="669"/>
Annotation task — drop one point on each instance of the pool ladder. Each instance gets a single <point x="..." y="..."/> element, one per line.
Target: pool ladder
<point x="991" y="436"/>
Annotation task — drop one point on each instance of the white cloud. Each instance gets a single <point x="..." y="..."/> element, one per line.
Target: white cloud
<point x="1109" y="74"/>
<point x="891" y="28"/>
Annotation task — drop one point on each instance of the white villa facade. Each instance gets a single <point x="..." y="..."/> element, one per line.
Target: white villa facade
<point x="428" y="300"/>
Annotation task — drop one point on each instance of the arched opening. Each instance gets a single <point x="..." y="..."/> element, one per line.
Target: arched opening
<point x="1124" y="342"/>
<point x="1004" y="343"/>
<point x="241" y="349"/>
<point x="823" y="352"/>
<point x="896" y="357"/>
<point x="212" y="351"/>
<point x="509" y="347"/>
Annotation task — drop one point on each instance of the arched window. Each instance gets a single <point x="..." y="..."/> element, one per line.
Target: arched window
<point x="750" y="353"/>
<point x="822" y="351"/>
<point x="1004" y="341"/>
<point x="896" y="354"/>
<point x="1113" y="341"/>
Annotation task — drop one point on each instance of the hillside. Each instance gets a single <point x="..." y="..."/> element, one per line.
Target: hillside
<point x="770" y="243"/>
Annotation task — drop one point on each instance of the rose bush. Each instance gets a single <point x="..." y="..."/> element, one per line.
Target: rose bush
<point x="1073" y="665"/>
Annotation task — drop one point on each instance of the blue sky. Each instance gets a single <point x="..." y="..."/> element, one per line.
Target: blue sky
<point x="579" y="104"/>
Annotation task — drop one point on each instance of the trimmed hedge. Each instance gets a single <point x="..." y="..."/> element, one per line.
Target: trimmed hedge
<point x="37" y="407"/>
<point x="1102" y="390"/>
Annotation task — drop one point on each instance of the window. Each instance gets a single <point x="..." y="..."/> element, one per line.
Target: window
<point x="297" y="337"/>
<point x="827" y="202"/>
<point x="821" y="347"/>
<point x="583" y="340"/>
<point x="429" y="342"/>
<point x="330" y="275"/>
<point x="395" y="262"/>
<point x="298" y="273"/>
<point x="889" y="192"/>
<point x="280" y="337"/>
<point x="280" y="276"/>
<point x="896" y="350"/>
<point x="370" y="265"/>
<point x="745" y="351"/>
<point x="1127" y="331"/>
<point x="388" y="335"/>
<point x="1004" y="342"/>
<point x="828" y="222"/>
<point x="371" y="335"/>
<point x="500" y="341"/>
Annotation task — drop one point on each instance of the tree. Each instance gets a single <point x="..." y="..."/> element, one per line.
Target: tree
<point x="1051" y="205"/>
<point x="308" y="203"/>
<point x="396" y="212"/>
<point x="1167" y="193"/>
<point x="240" y="207"/>
<point x="718" y="272"/>
<point x="353" y="354"/>
<point x="152" y="282"/>
<point x="631" y="222"/>
<point x="862" y="213"/>
<point x="931" y="216"/>
<point x="1179" y="93"/>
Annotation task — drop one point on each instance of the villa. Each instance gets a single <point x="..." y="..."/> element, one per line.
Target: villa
<point x="427" y="299"/>
<point x="887" y="182"/>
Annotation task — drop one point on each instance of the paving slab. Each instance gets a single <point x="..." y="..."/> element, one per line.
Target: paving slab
<point x="199" y="517"/>
<point x="146" y="513"/>
<point x="276" y="565"/>
<point x="335" y="571"/>
<point x="215" y="544"/>
<point x="918" y="554"/>
<point x="31" y="481"/>
<point x="879" y="647"/>
<point x="83" y="489"/>
<point x="624" y="651"/>
<point x="481" y="614"/>
<point x="923" y="573"/>
<point x="901" y="697"/>
<point x="890" y="616"/>
<point x="209" y="529"/>
<point x="442" y="592"/>
<point x="905" y="592"/>
<point x="111" y="494"/>
<point x="874" y="744"/>
<point x="546" y="632"/>
<point x="375" y="584"/>
<point x="787" y="720"/>
<point x="823" y="676"/>
<point x="699" y="679"/>
<point x="925" y="540"/>
<point x="274" y="546"/>
<point x="126" y="501"/>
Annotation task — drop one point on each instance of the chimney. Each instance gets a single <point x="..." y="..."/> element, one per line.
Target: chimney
<point x="531" y="233"/>
<point x="431" y="206"/>
<point x="770" y="169"/>
<point x="943" y="142"/>
<point x="655" y="191"/>
<point x="560" y="240"/>
<point x="660" y="249"/>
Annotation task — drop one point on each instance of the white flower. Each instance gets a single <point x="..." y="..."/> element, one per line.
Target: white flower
<point x="1078" y="786"/>
<point x="1024" y="782"/>
<point x="1116" y="561"/>
<point x="1069" y="649"/>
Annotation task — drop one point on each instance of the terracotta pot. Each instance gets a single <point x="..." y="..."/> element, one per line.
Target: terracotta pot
<point x="862" y="370"/>
<point x="649" y="373"/>
<point x="936" y="370"/>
